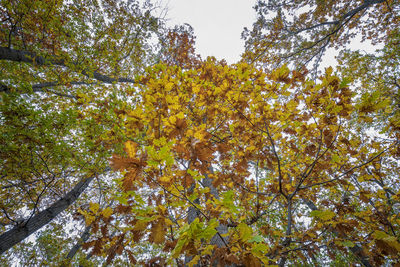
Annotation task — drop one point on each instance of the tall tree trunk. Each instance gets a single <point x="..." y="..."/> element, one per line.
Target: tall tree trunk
<point x="20" y="232"/>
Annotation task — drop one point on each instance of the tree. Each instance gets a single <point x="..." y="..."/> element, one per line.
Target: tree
<point x="56" y="73"/>
<point x="272" y="159"/>
<point x="299" y="32"/>
<point x="377" y="78"/>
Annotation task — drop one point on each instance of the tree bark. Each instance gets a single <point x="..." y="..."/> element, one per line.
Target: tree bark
<point x="217" y="239"/>
<point x="31" y="57"/>
<point x="20" y="232"/>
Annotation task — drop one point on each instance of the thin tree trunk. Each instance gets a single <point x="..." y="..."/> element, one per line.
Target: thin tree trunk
<point x="20" y="232"/>
<point x="288" y="240"/>
<point x="84" y="237"/>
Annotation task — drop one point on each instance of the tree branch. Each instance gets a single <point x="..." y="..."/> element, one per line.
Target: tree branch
<point x="350" y="13"/>
<point x="22" y="231"/>
<point x="279" y="162"/>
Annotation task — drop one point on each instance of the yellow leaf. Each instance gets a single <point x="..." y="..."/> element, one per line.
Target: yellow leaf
<point x="208" y="250"/>
<point x="199" y="135"/>
<point x="94" y="207"/>
<point x="107" y="212"/>
<point x="172" y="119"/>
<point x="162" y="208"/>
<point x="194" y="261"/>
<point x="325" y="215"/>
<point x="157" y="234"/>
<point x="165" y="179"/>
<point x="328" y="71"/>
<point x="131" y="148"/>
<point x="169" y="86"/>
<point x="217" y="90"/>
<point x="196" y="89"/>
<point x="245" y="232"/>
<point x="141" y="225"/>
<point x="89" y="219"/>
<point x="388" y="239"/>
<point x="180" y="115"/>
<point x="251" y="148"/>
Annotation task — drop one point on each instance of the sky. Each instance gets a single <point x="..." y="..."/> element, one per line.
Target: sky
<point x="217" y="24"/>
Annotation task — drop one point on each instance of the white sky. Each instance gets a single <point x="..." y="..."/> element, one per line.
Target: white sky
<point x="217" y="24"/>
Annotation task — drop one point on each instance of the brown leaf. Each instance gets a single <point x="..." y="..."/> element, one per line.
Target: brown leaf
<point x="97" y="247"/>
<point x="157" y="234"/>
<point x="131" y="258"/>
<point x="250" y="261"/>
<point x="231" y="258"/>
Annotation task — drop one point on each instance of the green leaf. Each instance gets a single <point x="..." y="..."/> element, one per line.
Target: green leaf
<point x="245" y="231"/>
<point x="335" y="158"/>
<point x="260" y="249"/>
<point x="227" y="200"/>
<point x="178" y="248"/>
<point x="348" y="243"/>
<point x="257" y="239"/>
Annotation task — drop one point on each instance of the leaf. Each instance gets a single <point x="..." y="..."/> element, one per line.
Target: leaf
<point x="388" y="239"/>
<point x="335" y="158"/>
<point x="179" y="246"/>
<point x="143" y="222"/>
<point x="131" y="149"/>
<point x="107" y="212"/>
<point x="210" y="230"/>
<point x="260" y="249"/>
<point x="165" y="179"/>
<point x="157" y="234"/>
<point x="256" y="239"/>
<point x="380" y="235"/>
<point x="348" y="243"/>
<point x="180" y="115"/>
<point x="89" y="219"/>
<point x="94" y="207"/>
<point x="245" y="232"/>
<point x="227" y="200"/>
<point x="194" y="261"/>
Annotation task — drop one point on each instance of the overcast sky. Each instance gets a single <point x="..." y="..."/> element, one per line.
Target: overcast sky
<point x="217" y="24"/>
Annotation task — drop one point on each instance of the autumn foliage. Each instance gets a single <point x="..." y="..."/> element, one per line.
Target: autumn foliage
<point x="273" y="159"/>
<point x="256" y="163"/>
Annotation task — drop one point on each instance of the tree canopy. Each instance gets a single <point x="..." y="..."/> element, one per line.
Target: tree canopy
<point x="300" y="32"/>
<point x="120" y="145"/>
